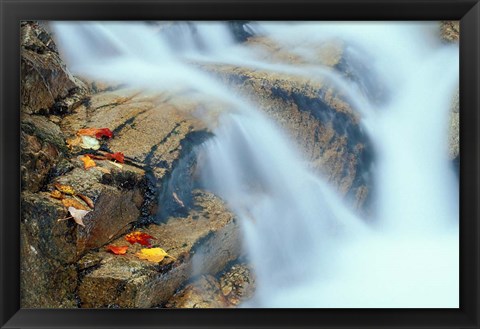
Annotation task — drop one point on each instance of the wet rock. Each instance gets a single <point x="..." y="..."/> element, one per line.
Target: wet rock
<point x="116" y="207"/>
<point x="44" y="78"/>
<point x="321" y="121"/>
<point x="238" y="284"/>
<point x="203" y="293"/>
<point x="156" y="131"/>
<point x="202" y="243"/>
<point x="450" y="31"/>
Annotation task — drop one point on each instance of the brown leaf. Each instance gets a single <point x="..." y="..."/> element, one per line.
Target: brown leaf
<point x="86" y="199"/>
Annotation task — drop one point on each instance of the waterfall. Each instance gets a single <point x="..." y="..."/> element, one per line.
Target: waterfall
<point x="308" y="249"/>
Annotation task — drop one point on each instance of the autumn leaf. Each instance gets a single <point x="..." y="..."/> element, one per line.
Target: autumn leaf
<point x="155" y="255"/>
<point x="97" y="132"/>
<point x="86" y="199"/>
<point x="97" y="157"/>
<point x="118" y="156"/>
<point x="139" y="237"/>
<point x="117" y="250"/>
<point x="75" y="141"/>
<point x="66" y="189"/>
<point x="73" y="203"/>
<point x="89" y="143"/>
<point x="77" y="215"/>
<point x="56" y="194"/>
<point x="88" y="162"/>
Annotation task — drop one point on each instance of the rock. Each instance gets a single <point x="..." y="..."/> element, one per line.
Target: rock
<point x="44" y="78"/>
<point x="41" y="146"/>
<point x="156" y="131"/>
<point x="202" y="243"/>
<point x="203" y="293"/>
<point x="320" y="120"/>
<point x="44" y="282"/>
<point x="450" y="31"/>
<point x="238" y="284"/>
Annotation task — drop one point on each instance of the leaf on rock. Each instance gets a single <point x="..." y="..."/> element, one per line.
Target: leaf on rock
<point x="66" y="189"/>
<point x="97" y="157"/>
<point x="87" y="200"/>
<point x="56" y="194"/>
<point x="118" y="156"/>
<point x="89" y="143"/>
<point x="117" y="250"/>
<point x="155" y="255"/>
<point x="73" y="203"/>
<point x="139" y="237"/>
<point x="71" y="142"/>
<point x="97" y="132"/>
<point x="77" y="215"/>
<point x="88" y="162"/>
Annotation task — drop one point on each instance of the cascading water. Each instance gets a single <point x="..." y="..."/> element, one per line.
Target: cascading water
<point x="307" y="248"/>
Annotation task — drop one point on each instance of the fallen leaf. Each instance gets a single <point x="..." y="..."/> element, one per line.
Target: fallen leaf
<point x="67" y="202"/>
<point x="139" y="237"/>
<point x="89" y="143"/>
<point x="180" y="202"/>
<point x="97" y="157"/>
<point x="104" y="170"/>
<point x="75" y="141"/>
<point x="117" y="250"/>
<point x="88" y="162"/>
<point x="86" y="199"/>
<point x="118" y="156"/>
<point x="77" y="215"/>
<point x="56" y="194"/>
<point x="97" y="132"/>
<point x="153" y="254"/>
<point x="66" y="189"/>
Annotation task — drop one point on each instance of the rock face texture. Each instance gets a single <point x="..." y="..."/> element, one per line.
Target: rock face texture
<point x="319" y="118"/>
<point x="46" y="84"/>
<point x="203" y="242"/>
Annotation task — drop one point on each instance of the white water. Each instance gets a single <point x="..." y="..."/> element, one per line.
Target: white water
<point x="307" y="248"/>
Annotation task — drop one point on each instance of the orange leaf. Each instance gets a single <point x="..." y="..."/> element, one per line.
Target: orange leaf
<point x="88" y="162"/>
<point x="73" y="203"/>
<point x="97" y="132"/>
<point x="117" y="250"/>
<point x="56" y="195"/>
<point x="139" y="237"/>
<point x="153" y="254"/>
<point x="64" y="189"/>
<point x="116" y="156"/>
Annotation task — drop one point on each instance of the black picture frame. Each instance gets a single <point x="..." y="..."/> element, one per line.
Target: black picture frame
<point x="13" y="11"/>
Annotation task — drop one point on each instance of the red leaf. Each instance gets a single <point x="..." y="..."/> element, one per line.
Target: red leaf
<point x="116" y="156"/>
<point x="139" y="237"/>
<point x="117" y="250"/>
<point x="97" y="132"/>
<point x="104" y="132"/>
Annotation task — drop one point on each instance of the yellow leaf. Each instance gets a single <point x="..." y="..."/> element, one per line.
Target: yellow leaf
<point x="56" y="194"/>
<point x="67" y="189"/>
<point x="155" y="255"/>
<point x="88" y="162"/>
